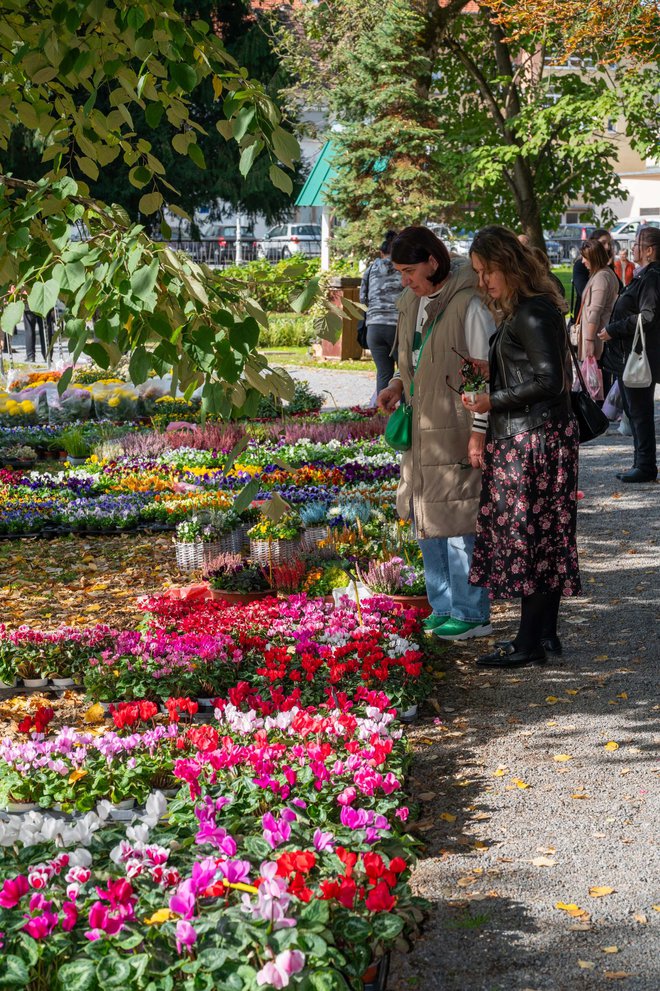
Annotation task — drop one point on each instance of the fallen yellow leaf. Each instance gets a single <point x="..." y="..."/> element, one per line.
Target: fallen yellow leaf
<point x="610" y="949"/>
<point x="656" y="908"/>
<point x="617" y="975"/>
<point x="551" y="699"/>
<point x="480" y="846"/>
<point x="586" y="964"/>
<point x="521" y="784"/>
<point x="94" y="714"/>
<point x="76" y="776"/>
<point x="641" y="918"/>
<point x="562" y="757"/>
<point x="544" y="862"/>
<point x="572" y="909"/>
<point x="500" y="772"/>
<point x="622" y="695"/>
<point x="448" y="817"/>
<point x="580" y="794"/>
<point x="572" y="691"/>
<point x="600" y="890"/>
<point x="611" y="745"/>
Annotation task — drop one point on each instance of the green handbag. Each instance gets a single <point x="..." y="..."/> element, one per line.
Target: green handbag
<point x="398" y="432"/>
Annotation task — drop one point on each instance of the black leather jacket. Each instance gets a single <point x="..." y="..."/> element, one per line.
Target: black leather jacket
<point x="529" y="363"/>
<point x="641" y="296"/>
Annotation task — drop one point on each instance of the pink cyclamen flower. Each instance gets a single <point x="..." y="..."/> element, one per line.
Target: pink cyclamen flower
<point x="323" y="841"/>
<point x="183" y="901"/>
<point x="13" y="890"/>
<point x="278" y="971"/>
<point x="186" y="936"/>
<point x="41" y="925"/>
<point x="70" y="916"/>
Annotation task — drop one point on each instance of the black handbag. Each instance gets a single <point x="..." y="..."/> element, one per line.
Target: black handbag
<point x="592" y="422"/>
<point x="362" y="334"/>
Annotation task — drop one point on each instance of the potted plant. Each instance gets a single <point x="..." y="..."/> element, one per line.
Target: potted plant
<point x="473" y="381"/>
<point x="272" y="542"/>
<point x="76" y="445"/>
<point x="31" y="672"/>
<point x="20" y="456"/>
<point x="314" y="518"/>
<point x="404" y="583"/>
<point x="234" y="579"/>
<point x="188" y="545"/>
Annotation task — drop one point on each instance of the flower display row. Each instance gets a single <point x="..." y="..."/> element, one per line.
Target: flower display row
<point x="281" y="860"/>
<point x="201" y="648"/>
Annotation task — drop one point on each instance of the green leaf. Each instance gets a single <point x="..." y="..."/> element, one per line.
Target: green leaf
<point x="356" y="930"/>
<point x="11" y="315"/>
<point x="150" y="202"/>
<point x="98" y="354"/>
<point x="241" y="503"/>
<point x="154" y="114"/>
<point x="64" y="380"/>
<point x="183" y="75"/>
<point x="43" y="296"/>
<point x="139" y="365"/>
<point x="212" y="959"/>
<point x="242" y="122"/>
<point x="285" y="146"/>
<point x="307" y="296"/>
<point x="19" y="239"/>
<point x="280" y="179"/>
<point x="327" y="980"/>
<point x="248" y="156"/>
<point x="113" y="972"/>
<point x="13" y="972"/>
<point x="245" y="336"/>
<point x="196" y="155"/>
<point x="236" y="450"/>
<point x="87" y="166"/>
<point x="144" y="279"/>
<point x="80" y="975"/>
<point x="388" y="926"/>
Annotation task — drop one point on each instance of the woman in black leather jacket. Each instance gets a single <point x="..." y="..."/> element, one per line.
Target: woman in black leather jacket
<point x="525" y="545"/>
<point x="642" y="296"/>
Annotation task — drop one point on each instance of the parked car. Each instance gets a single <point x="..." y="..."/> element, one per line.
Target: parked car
<point x="224" y="236"/>
<point x="445" y="234"/>
<point x="287" y="240"/>
<point x="462" y="241"/>
<point x="570" y="237"/>
<point x="625" y="231"/>
<point x="553" y="249"/>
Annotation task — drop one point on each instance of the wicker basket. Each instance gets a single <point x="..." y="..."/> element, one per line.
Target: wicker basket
<point x="189" y="557"/>
<point x="280" y="551"/>
<point x="231" y="543"/>
<point x="311" y="537"/>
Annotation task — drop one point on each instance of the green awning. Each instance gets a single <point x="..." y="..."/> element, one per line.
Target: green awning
<point x="322" y="173"/>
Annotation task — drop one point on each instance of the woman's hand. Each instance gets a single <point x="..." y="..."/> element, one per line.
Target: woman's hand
<point x="480" y="405"/>
<point x="388" y="399"/>
<point x="481" y="366"/>
<point x="603" y="335"/>
<point x="475" y="451"/>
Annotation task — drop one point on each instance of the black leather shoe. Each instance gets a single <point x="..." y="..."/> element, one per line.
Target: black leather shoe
<point x="552" y="644"/>
<point x="509" y="657"/>
<point x="636" y="475"/>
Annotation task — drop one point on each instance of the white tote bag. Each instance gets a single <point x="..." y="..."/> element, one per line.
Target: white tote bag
<point x="637" y="373"/>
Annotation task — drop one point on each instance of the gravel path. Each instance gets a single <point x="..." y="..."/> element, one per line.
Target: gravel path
<point x="537" y="785"/>
<point x="340" y="388"/>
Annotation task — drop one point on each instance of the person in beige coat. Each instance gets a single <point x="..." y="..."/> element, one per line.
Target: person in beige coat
<point x="440" y="313"/>
<point x="598" y="299"/>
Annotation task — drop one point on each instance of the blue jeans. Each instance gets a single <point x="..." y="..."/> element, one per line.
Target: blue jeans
<point x="447" y="563"/>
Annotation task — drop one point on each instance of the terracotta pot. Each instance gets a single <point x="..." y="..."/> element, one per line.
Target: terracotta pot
<point x="238" y="598"/>
<point x="411" y="601"/>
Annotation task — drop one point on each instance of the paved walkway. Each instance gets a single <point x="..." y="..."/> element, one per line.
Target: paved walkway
<point x="538" y="795"/>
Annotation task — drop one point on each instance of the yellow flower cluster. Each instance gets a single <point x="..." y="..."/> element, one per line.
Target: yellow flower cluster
<point x="14" y="408"/>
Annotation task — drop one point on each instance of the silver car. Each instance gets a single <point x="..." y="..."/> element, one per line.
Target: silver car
<point x="287" y="240"/>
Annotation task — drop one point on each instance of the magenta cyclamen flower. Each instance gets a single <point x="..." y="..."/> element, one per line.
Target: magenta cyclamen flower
<point x="41" y="925"/>
<point x="185" y="935"/>
<point x="13" y="890"/>
<point x="276" y="831"/>
<point x="323" y="841"/>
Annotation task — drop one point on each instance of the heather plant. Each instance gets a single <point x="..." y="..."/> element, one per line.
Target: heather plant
<point x="394" y="577"/>
<point x="233" y="573"/>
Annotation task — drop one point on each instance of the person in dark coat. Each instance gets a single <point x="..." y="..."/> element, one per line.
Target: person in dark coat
<point x="642" y="296"/>
<point x="525" y="546"/>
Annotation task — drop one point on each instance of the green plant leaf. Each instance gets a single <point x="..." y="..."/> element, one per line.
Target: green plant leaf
<point x="43" y="296"/>
<point x="113" y="972"/>
<point x="13" y="972"/>
<point x="11" y="315"/>
<point x="307" y="296"/>
<point x="183" y="75"/>
<point x="286" y="146"/>
<point x="241" y="503"/>
<point x="388" y="926"/>
<point x="144" y="279"/>
<point x="139" y="365"/>
<point x="280" y="179"/>
<point x="79" y="975"/>
<point x="150" y="202"/>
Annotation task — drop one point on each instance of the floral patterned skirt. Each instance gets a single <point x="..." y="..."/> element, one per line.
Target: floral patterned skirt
<point x="527" y="515"/>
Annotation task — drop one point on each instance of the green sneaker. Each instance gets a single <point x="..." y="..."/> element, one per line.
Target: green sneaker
<point x="433" y="621"/>
<point x="457" y="629"/>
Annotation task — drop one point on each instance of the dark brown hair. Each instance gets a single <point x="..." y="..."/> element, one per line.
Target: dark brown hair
<point x="525" y="275"/>
<point x="415" y="245"/>
<point x="649" y="237"/>
<point x="596" y="254"/>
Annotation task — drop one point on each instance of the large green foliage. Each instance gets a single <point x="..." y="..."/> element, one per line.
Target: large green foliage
<point x="61" y="61"/>
<point x="442" y="117"/>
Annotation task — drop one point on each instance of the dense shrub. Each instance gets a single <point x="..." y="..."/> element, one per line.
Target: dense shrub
<point x="274" y="286"/>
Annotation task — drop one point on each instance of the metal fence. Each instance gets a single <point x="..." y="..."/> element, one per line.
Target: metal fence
<point x="211" y="253"/>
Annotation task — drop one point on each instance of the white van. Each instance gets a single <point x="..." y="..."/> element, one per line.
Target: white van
<point x="625" y="231"/>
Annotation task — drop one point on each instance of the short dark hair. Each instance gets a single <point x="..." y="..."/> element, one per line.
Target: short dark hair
<point x="649" y="237"/>
<point x="386" y="246"/>
<point x="596" y="254"/>
<point x="600" y="232"/>
<point x="415" y="245"/>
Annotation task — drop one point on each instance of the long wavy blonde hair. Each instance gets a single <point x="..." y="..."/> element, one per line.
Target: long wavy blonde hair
<point x="525" y="275"/>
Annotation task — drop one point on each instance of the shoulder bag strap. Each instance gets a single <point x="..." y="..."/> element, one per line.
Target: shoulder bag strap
<point x="419" y="356"/>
